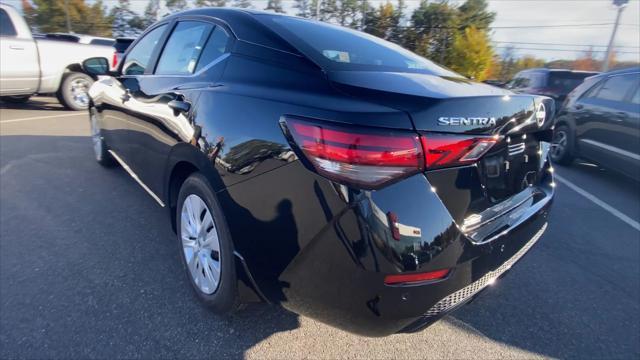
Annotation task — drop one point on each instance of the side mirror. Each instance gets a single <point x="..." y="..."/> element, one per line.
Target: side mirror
<point x="96" y="66"/>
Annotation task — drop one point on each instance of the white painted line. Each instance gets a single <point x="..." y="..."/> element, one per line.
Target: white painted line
<point x="634" y="224"/>
<point x="44" y="117"/>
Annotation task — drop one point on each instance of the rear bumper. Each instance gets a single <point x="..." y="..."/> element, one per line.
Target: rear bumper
<point x="323" y="250"/>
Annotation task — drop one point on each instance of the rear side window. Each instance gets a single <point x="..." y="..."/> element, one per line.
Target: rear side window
<point x="139" y="57"/>
<point x="215" y="47"/>
<point x="184" y="47"/>
<point x="615" y="88"/>
<point x="6" y="26"/>
<point x="106" y="42"/>
<point x="565" y="82"/>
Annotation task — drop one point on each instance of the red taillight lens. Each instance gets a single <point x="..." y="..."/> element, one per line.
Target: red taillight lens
<point x="114" y="61"/>
<point x="443" y="150"/>
<point x="368" y="158"/>
<point x="415" y="278"/>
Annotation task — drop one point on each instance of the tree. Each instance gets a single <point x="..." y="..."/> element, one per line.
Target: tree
<point x="472" y="54"/>
<point x="382" y="21"/>
<point x="125" y="23"/>
<point x="349" y="13"/>
<point x="475" y="13"/>
<point x="49" y="16"/>
<point x="328" y="10"/>
<point x="435" y="27"/>
<point x="586" y="62"/>
<point x="304" y="8"/>
<point x="151" y="13"/>
<point x="275" y="5"/>
<point x="176" y="5"/>
<point x="246" y="4"/>
<point x="211" y="3"/>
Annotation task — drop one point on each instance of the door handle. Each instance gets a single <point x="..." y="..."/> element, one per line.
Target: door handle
<point x="179" y="106"/>
<point x="579" y="106"/>
<point x="16" y="47"/>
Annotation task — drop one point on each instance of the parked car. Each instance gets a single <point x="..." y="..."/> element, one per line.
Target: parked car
<point x="42" y="66"/>
<point x="554" y="83"/>
<point x="322" y="168"/>
<point x="120" y="47"/>
<point x="601" y="122"/>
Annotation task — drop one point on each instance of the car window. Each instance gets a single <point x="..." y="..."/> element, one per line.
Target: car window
<point x="140" y="56"/>
<point x="106" y="42"/>
<point x="6" y="26"/>
<point x="183" y="48"/>
<point x="615" y="88"/>
<point x="215" y="47"/>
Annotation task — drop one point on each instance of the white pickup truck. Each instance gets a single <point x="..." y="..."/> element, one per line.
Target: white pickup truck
<point x="42" y="66"/>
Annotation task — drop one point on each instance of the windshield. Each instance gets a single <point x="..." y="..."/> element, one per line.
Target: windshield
<point x="565" y="82"/>
<point x="338" y="48"/>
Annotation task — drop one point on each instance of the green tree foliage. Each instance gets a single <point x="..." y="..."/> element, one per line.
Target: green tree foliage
<point x="48" y="16"/>
<point x="382" y="22"/>
<point x="275" y="5"/>
<point x="176" y="5"/>
<point x="472" y="54"/>
<point x="475" y="13"/>
<point x="434" y="30"/>
<point x="151" y="13"/>
<point x="303" y="8"/>
<point x="124" y="22"/>
<point x="211" y="3"/>
<point x="349" y="13"/>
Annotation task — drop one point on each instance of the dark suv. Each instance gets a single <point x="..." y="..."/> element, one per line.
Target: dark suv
<point x="600" y="121"/>
<point x="553" y="83"/>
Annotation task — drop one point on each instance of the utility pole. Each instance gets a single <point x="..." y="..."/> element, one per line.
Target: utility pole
<point x="66" y="13"/>
<point x="621" y="4"/>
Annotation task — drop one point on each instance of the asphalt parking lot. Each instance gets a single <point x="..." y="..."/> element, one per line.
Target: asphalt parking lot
<point x="89" y="268"/>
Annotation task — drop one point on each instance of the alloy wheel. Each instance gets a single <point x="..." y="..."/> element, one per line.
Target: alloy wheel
<point x="200" y="244"/>
<point x="80" y="92"/>
<point x="558" y="145"/>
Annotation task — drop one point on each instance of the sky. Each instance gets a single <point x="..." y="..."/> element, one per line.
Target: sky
<point x="531" y="26"/>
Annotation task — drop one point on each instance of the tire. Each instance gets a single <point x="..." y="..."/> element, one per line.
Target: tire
<point x="18" y="99"/>
<point x="100" y="149"/>
<point x="196" y="202"/>
<point x="73" y="93"/>
<point x="563" y="146"/>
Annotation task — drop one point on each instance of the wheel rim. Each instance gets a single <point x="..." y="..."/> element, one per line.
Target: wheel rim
<point x="558" y="145"/>
<point x="200" y="244"/>
<point x="95" y="137"/>
<point x="80" y="92"/>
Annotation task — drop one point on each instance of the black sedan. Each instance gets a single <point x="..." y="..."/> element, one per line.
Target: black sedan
<point x="324" y="169"/>
<point x="600" y="121"/>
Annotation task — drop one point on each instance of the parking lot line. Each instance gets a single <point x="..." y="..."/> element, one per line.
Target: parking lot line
<point x="634" y="224"/>
<point x="41" y="117"/>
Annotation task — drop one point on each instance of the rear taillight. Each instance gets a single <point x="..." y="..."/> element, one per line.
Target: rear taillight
<point x="366" y="157"/>
<point x="445" y="150"/>
<point x="371" y="157"/>
<point x="114" y="61"/>
<point x="416" y="278"/>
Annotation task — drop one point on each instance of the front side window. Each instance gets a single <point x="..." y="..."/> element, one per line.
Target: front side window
<point x="184" y="47"/>
<point x="6" y="26"/>
<point x="139" y="58"/>
<point x="635" y="99"/>
<point x="615" y="88"/>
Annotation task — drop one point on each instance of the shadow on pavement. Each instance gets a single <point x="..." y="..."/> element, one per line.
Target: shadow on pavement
<point x="89" y="267"/>
<point x="34" y="103"/>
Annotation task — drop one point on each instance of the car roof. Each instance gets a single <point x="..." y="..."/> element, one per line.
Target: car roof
<point x="547" y="70"/>
<point x="244" y="24"/>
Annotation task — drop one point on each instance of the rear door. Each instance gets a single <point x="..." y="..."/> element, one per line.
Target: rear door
<point x="608" y="131"/>
<point x="20" y="70"/>
<point x="161" y="102"/>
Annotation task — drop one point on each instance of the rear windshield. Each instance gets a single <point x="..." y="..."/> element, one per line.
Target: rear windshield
<point x="337" y="48"/>
<point x="122" y="45"/>
<point x="565" y="82"/>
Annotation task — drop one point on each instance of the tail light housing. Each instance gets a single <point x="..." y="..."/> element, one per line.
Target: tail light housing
<point x="114" y="60"/>
<point x="365" y="157"/>
<point x="370" y="158"/>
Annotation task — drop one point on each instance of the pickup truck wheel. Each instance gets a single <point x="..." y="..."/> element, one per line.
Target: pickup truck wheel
<point x="16" y="99"/>
<point x="74" y="91"/>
